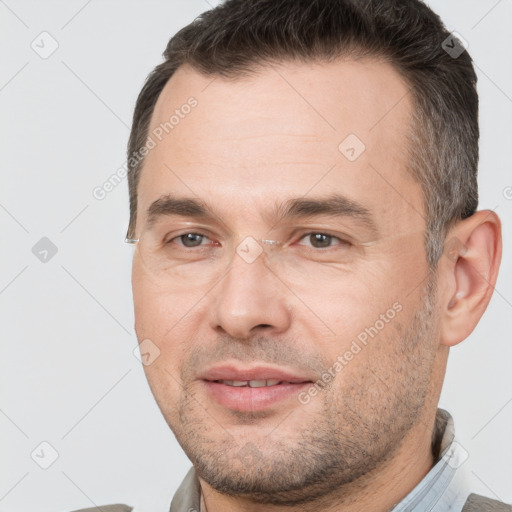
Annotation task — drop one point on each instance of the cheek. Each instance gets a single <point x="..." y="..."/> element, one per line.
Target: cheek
<point x="158" y="310"/>
<point x="352" y="301"/>
<point x="365" y="314"/>
<point x="146" y="306"/>
<point x="167" y="318"/>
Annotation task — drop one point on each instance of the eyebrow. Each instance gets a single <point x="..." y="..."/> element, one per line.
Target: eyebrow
<point x="335" y="205"/>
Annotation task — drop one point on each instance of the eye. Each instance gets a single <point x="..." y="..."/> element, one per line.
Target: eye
<point x="320" y="240"/>
<point x="189" y="240"/>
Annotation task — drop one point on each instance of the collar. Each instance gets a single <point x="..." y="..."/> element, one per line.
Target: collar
<point x="444" y="487"/>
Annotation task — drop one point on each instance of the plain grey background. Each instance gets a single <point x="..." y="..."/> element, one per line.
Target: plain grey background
<point x="69" y="376"/>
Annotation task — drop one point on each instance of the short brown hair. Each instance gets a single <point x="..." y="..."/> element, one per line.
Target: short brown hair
<point x="238" y="35"/>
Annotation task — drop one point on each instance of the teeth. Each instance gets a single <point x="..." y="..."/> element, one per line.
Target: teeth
<point x="236" y="383"/>
<point x="250" y="383"/>
<point x="257" y="383"/>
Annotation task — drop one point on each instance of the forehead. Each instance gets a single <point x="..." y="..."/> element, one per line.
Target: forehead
<point x="285" y="131"/>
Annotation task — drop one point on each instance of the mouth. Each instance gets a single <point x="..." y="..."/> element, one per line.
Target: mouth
<point x="252" y="383"/>
<point x="253" y="389"/>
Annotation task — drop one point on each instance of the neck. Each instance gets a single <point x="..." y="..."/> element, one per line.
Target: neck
<point x="378" y="491"/>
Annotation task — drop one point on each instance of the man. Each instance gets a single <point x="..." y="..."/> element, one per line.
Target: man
<point x="303" y="205"/>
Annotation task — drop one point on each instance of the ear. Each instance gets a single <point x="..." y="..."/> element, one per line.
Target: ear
<point x="468" y="271"/>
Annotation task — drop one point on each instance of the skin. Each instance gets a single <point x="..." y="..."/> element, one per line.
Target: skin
<point x="252" y="143"/>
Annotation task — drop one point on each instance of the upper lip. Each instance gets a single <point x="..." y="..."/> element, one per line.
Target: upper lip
<point x="260" y="372"/>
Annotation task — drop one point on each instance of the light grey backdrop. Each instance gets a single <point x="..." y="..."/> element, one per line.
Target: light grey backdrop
<point x="68" y="374"/>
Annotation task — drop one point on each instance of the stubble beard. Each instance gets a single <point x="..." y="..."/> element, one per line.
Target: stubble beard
<point x="357" y="432"/>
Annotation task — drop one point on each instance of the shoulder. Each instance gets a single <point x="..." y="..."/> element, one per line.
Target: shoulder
<point x="476" y="503"/>
<point x="107" y="508"/>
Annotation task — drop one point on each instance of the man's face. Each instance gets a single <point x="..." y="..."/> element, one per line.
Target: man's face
<point x="340" y="301"/>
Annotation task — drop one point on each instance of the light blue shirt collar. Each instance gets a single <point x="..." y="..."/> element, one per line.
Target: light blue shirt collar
<point x="444" y="488"/>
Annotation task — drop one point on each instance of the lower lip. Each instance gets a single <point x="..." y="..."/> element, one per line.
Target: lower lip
<point x="244" y="398"/>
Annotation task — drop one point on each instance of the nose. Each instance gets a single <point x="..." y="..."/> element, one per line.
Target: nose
<point x="249" y="298"/>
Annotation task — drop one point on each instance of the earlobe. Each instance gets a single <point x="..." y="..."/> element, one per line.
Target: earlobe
<point x="473" y="255"/>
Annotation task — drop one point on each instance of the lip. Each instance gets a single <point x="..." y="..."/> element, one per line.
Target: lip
<point x="232" y="372"/>
<point x="252" y="399"/>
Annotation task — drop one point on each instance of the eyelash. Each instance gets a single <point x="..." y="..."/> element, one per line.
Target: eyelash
<point x="342" y="241"/>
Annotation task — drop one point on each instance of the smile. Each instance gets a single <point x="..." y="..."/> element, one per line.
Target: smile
<point x="251" y="383"/>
